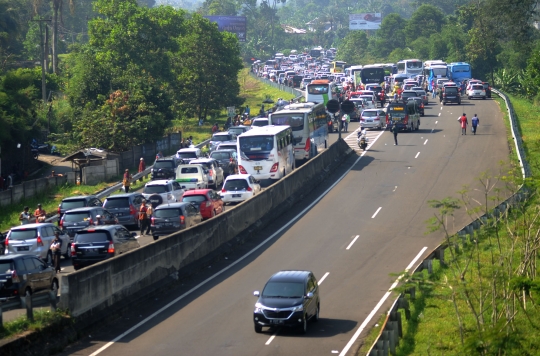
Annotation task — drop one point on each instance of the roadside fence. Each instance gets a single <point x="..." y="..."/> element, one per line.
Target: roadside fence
<point x="281" y="87"/>
<point x="29" y="302"/>
<point x="392" y="329"/>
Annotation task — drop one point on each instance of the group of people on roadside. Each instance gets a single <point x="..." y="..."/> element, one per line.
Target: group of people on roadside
<point x="475" y="122"/>
<point x="26" y="217"/>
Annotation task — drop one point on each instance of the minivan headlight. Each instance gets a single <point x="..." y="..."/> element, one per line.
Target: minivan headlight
<point x="298" y="308"/>
<point x="258" y="308"/>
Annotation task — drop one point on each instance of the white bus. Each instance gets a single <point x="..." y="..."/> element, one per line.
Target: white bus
<point x="266" y="152"/>
<point x="349" y="71"/>
<point x="320" y="91"/>
<point x="309" y="124"/>
<point x="410" y="67"/>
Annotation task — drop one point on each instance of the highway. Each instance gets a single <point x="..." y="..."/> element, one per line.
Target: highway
<point x="369" y="224"/>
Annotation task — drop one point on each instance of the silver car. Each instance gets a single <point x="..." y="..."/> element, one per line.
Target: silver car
<point x="35" y="240"/>
<point x="373" y="118"/>
<point x="221" y="137"/>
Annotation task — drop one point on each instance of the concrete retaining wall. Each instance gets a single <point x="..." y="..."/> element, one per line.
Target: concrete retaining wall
<point x="92" y="175"/>
<point x="29" y="189"/>
<point x="92" y="290"/>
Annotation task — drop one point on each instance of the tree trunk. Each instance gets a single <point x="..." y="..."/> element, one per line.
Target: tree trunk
<point x="46" y="49"/>
<point x="56" y="9"/>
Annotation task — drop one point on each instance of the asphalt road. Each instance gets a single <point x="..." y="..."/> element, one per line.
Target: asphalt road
<point x="368" y="226"/>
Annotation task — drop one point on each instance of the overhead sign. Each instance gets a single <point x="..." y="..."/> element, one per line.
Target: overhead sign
<point x="231" y="111"/>
<point x="365" y="21"/>
<point x="234" y="24"/>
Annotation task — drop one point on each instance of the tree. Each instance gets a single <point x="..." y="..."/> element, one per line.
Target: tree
<point x="353" y="48"/>
<point x="425" y="21"/>
<point x="390" y="36"/>
<point x="207" y="67"/>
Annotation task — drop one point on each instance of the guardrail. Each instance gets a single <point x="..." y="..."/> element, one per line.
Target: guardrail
<point x="28" y="302"/>
<point x="391" y="330"/>
<point x="281" y="87"/>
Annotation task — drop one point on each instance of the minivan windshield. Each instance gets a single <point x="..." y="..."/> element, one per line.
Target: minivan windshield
<point x="220" y="155"/>
<point x="116" y="203"/>
<point x="186" y="154"/>
<point x="155" y="189"/>
<point x="167" y="213"/>
<point x="283" y="290"/>
<point x="163" y="164"/>
<point x="73" y="204"/>
<point x="97" y="236"/>
<point x="216" y="138"/>
<point x="23" y="234"/>
<point x="236" y="184"/>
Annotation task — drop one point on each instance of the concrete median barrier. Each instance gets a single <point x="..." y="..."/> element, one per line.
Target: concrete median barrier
<point x="90" y="292"/>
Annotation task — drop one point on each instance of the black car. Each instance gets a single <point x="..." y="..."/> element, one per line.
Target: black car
<point x="164" y="169"/>
<point x="77" y="219"/>
<point x="21" y="274"/>
<point x="290" y="299"/>
<point x="125" y="207"/>
<point x="406" y="94"/>
<point x="223" y="157"/>
<point x="170" y="218"/>
<point x="80" y="201"/>
<point x="420" y="103"/>
<point x="96" y="244"/>
<point x="487" y="88"/>
<point x="451" y="95"/>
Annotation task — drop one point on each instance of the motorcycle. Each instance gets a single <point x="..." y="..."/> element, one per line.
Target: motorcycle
<point x="362" y="139"/>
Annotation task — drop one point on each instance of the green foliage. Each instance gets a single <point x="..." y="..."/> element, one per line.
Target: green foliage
<point x="425" y="21"/>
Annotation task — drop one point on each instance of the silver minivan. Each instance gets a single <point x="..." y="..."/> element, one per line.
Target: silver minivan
<point x="35" y="240"/>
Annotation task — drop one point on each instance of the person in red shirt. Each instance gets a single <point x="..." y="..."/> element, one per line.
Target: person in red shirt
<point x="40" y="214"/>
<point x="463" y="121"/>
<point x="143" y="218"/>
<point x="142" y="165"/>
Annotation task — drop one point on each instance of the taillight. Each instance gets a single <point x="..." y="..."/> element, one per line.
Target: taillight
<point x="406" y="118"/>
<point x="15" y="277"/>
<point x="90" y="221"/>
<point x="242" y="169"/>
<point x="6" y="241"/>
<point x="275" y="167"/>
<point x="153" y="221"/>
<point x="132" y="210"/>
<point x="73" y="251"/>
<point x="39" y="241"/>
<point x="61" y="223"/>
<point x="182" y="219"/>
<point x="58" y="210"/>
<point x="249" y="189"/>
<point x="210" y="173"/>
<point x="111" y="247"/>
<point x="307" y="147"/>
<point x="223" y="190"/>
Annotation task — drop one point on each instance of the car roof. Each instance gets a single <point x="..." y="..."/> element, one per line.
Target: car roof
<point x="31" y="226"/>
<point x="237" y="176"/>
<point x="123" y="195"/>
<point x="87" y="208"/>
<point x="373" y="110"/>
<point x="230" y="150"/>
<point x="12" y="256"/>
<point x="220" y="134"/>
<point x="158" y="182"/>
<point x="101" y="228"/>
<point x="202" y="160"/>
<point x="191" y="149"/>
<point x="289" y="276"/>
<point x="172" y="206"/>
<point x="197" y="192"/>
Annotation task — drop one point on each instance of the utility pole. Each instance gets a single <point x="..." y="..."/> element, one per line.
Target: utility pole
<point x="43" y="60"/>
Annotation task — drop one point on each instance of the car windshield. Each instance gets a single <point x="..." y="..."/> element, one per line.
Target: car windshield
<point x="283" y="290"/>
<point x="5" y="267"/>
<point x="256" y="143"/>
<point x="220" y="155"/>
<point x="163" y="164"/>
<point x="189" y="170"/>
<point x="318" y="89"/>
<point x="236" y="131"/>
<point x="370" y="113"/>
<point x="116" y="203"/>
<point x="167" y="213"/>
<point x="156" y="189"/>
<point x="186" y="154"/>
<point x="236" y="184"/>
<point x="73" y="204"/>
<point x="260" y="123"/>
<point x="23" y="234"/>
<point x="194" y="198"/>
<point x="452" y="90"/>
<point x="477" y="87"/>
<point x="220" y="138"/>
<point x="408" y="94"/>
<point x="77" y="216"/>
<point x="296" y="122"/>
<point x="93" y="236"/>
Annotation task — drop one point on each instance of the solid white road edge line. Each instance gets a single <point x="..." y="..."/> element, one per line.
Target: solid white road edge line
<point x="436" y="122"/>
<point x="426" y="141"/>
<point x="352" y="242"/>
<point x="277" y="331"/>
<point x="150" y="317"/>
<point x="418" y="154"/>
<point x="381" y="302"/>
<point x="439" y="114"/>
<point x="374" y="215"/>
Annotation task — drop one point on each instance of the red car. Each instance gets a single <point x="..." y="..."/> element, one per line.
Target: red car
<point x="207" y="201"/>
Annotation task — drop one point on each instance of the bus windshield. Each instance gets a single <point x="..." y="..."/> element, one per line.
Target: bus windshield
<point x="296" y="122"/>
<point x="318" y="89"/>
<point x="462" y="68"/>
<point x="439" y="71"/>
<point x="256" y="143"/>
<point x="414" y="65"/>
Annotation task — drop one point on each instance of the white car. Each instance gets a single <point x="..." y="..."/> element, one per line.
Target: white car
<point x="370" y="102"/>
<point x="192" y="176"/>
<point x="259" y="122"/>
<point x="215" y="172"/>
<point x="373" y="118"/>
<point x="188" y="154"/>
<point x="239" y="187"/>
<point x="476" y="91"/>
<point x="163" y="191"/>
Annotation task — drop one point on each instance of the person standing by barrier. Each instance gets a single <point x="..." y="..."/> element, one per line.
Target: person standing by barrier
<point x="25" y="216"/>
<point x="149" y="214"/>
<point x="395" y="131"/>
<point x="142" y="165"/>
<point x="475" y="121"/>
<point x="56" y="249"/>
<point x="143" y="218"/>
<point x="126" y="182"/>
<point x="40" y="214"/>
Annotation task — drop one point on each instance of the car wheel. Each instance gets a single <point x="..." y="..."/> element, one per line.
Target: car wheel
<point x="303" y="329"/>
<point x="470" y="98"/>
<point x="155" y="237"/>
<point x="258" y="329"/>
<point x="316" y="316"/>
<point x="484" y="98"/>
<point x="54" y="287"/>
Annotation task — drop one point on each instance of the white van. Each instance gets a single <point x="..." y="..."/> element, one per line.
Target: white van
<point x="192" y="176"/>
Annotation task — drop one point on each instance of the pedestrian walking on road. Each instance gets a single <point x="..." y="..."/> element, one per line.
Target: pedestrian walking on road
<point x="126" y="182"/>
<point x="149" y="213"/>
<point x="142" y="165"/>
<point x="475" y="121"/>
<point x="395" y="130"/>
<point x="56" y="250"/>
<point x="463" y="122"/>
<point x="143" y="218"/>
